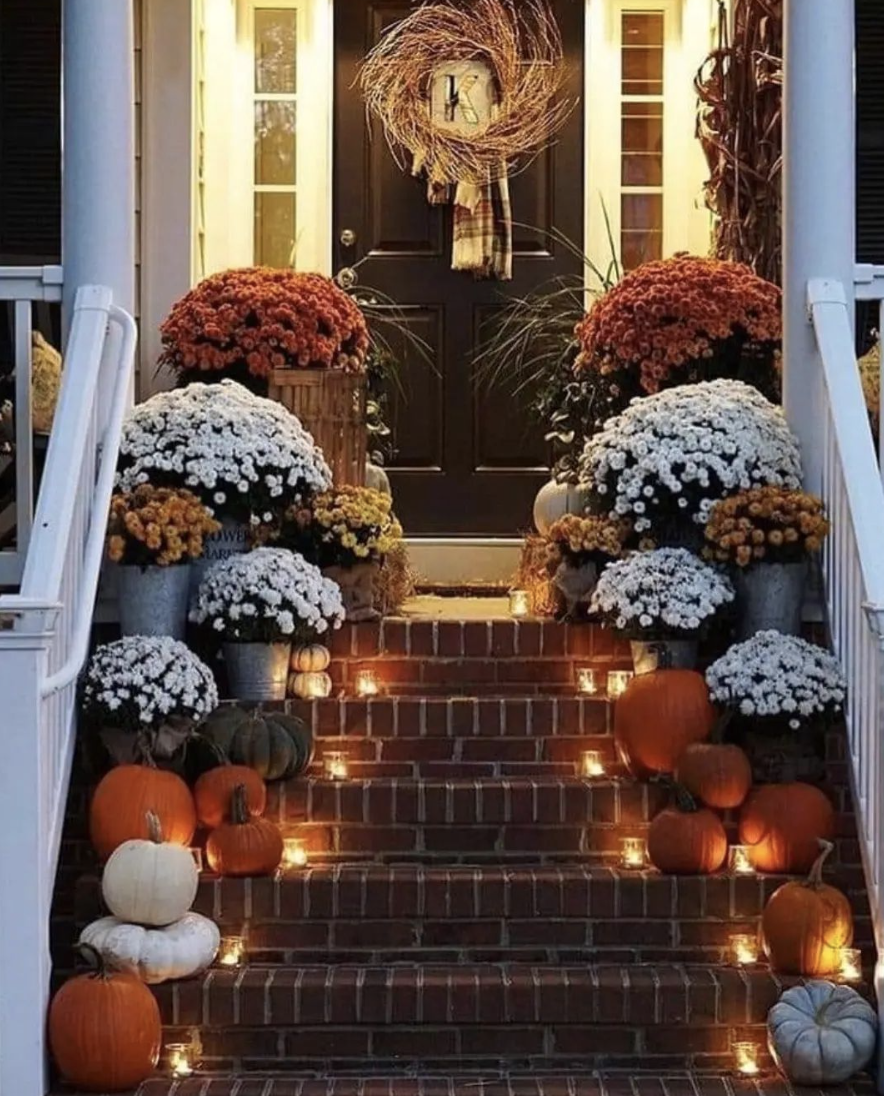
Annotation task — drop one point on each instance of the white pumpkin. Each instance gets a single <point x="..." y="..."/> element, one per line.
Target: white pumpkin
<point x="554" y="500"/>
<point x="310" y="686"/>
<point x="150" y="882"/>
<point x="821" y="1034"/>
<point x="377" y="479"/>
<point x="179" y="950"/>
<point x="314" y="658"/>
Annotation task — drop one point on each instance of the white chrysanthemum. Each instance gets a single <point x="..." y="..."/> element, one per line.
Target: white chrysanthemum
<point x="233" y="449"/>
<point x="140" y="681"/>
<point x="776" y="675"/>
<point x="682" y="450"/>
<point x="668" y="590"/>
<point x="266" y="595"/>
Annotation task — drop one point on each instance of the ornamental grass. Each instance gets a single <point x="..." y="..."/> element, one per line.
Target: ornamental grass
<point x="765" y="525"/>
<point x="157" y="526"/>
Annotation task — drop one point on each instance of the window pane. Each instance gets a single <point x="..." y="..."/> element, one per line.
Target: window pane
<point x="275" y="229"/>
<point x="642" y="136"/>
<point x="643" y="28"/>
<point x="643" y="211"/>
<point x="640" y="247"/>
<point x="643" y="41"/>
<point x="275" y="51"/>
<point x="275" y="143"/>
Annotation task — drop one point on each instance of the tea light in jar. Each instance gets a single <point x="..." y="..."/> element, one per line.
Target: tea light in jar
<point x="312" y="685"/>
<point x="197" y="854"/>
<point x="231" y="951"/>
<point x="336" y="766"/>
<point x="294" y="853"/>
<point x="591" y="764"/>
<point x="520" y="603"/>
<point x="633" y="852"/>
<point x="618" y="682"/>
<point x="366" y="683"/>
<point x="587" y="682"/>
<point x="851" y="964"/>
<point x="738" y="862"/>
<point x="745" y="1058"/>
<point x="180" y="1057"/>
<point x="744" y="949"/>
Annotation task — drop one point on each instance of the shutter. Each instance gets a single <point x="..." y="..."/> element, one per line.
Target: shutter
<point x="30" y="130"/>
<point x="870" y="130"/>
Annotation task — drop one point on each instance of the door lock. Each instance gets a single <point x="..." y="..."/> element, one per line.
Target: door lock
<point x="346" y="277"/>
<point x="348" y="237"/>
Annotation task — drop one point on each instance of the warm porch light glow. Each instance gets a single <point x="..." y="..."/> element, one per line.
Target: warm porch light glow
<point x="313" y="685"/>
<point x="366" y="683"/>
<point x="591" y="764"/>
<point x="231" y="951"/>
<point x="180" y="1057"/>
<point x="587" y="682"/>
<point x="336" y="766"/>
<point x="738" y="862"/>
<point x="633" y="852"/>
<point x="294" y="853"/>
<point x="746" y="1059"/>
<point x="851" y="965"/>
<point x="744" y="949"/>
<point x="197" y="854"/>
<point x="618" y="682"/>
<point x="520" y="603"/>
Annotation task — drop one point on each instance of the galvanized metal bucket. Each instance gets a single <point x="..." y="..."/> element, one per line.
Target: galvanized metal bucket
<point x="153" y="600"/>
<point x="664" y="654"/>
<point x="232" y="540"/>
<point x="257" y="671"/>
<point x="771" y="596"/>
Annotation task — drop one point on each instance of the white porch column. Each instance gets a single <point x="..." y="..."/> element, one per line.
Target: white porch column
<point x="819" y="228"/>
<point x="98" y="210"/>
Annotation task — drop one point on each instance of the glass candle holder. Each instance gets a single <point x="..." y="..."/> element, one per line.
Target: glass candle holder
<point x="181" y="1059"/>
<point x="294" y="853"/>
<point x="618" y="682"/>
<point x="744" y="949"/>
<point x="313" y="685"/>
<point x="231" y="951"/>
<point x="738" y="862"/>
<point x="851" y="965"/>
<point x="591" y="764"/>
<point x="197" y="854"/>
<point x="366" y="683"/>
<point x="520" y="603"/>
<point x="587" y="682"/>
<point x="633" y="852"/>
<point x="336" y="765"/>
<point x="745" y="1058"/>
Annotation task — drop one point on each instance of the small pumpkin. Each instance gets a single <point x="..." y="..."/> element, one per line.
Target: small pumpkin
<point x="311" y="659"/>
<point x="244" y="845"/>
<point x="806" y="924"/>
<point x="658" y="716"/>
<point x="212" y="791"/>
<point x="105" y="1032"/>
<point x="125" y="796"/>
<point x="310" y="686"/>
<point x="275" y="745"/>
<point x="719" y="776"/>
<point x="554" y="500"/>
<point x="685" y="839"/>
<point x="179" y="950"/>
<point x="783" y="823"/>
<point x="821" y="1034"/>
<point x="150" y="882"/>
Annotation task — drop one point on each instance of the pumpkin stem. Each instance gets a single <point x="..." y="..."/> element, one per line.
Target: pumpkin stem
<point x="95" y="960"/>
<point x="683" y="799"/>
<point x="154" y="827"/>
<point x="815" y="875"/>
<point x="142" y="747"/>
<point x="239" y="810"/>
<point x="721" y="725"/>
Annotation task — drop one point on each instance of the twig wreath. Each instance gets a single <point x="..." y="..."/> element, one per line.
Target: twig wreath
<point x="520" y="44"/>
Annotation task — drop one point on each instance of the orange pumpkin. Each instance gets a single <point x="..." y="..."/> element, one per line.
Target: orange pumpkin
<point x="214" y="788"/>
<point x="658" y="716"/>
<point x="806" y="924"/>
<point x="719" y="776"/>
<point x="127" y="795"/>
<point x="782" y="825"/>
<point x="244" y="845"/>
<point x="104" y="1029"/>
<point x="685" y="839"/>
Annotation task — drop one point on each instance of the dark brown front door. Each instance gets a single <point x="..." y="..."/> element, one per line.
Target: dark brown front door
<point x="468" y="461"/>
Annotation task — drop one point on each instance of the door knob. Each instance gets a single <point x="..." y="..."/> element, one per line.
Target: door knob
<point x="348" y="237"/>
<point x="346" y="277"/>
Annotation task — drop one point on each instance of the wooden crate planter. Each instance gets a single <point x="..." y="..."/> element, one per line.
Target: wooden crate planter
<point x="331" y="406"/>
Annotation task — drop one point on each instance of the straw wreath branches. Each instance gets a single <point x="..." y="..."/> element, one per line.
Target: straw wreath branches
<point x="522" y="45"/>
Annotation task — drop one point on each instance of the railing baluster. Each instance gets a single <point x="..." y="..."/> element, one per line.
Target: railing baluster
<point x="24" y="434"/>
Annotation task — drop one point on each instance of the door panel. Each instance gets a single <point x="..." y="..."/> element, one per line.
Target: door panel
<point x="469" y="461"/>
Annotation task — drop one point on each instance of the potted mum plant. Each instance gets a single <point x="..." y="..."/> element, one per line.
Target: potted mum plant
<point x="347" y="532"/>
<point x="667" y="460"/>
<point x="579" y="548"/>
<point x="780" y="694"/>
<point x="662" y="601"/>
<point x="259" y="604"/>
<point x="145" y="695"/>
<point x="768" y="535"/>
<point x="153" y="534"/>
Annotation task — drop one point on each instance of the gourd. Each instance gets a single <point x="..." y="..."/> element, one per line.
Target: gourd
<point x="179" y="950"/>
<point x="150" y="882"/>
<point x="719" y="776"/>
<point x="275" y="745"/>
<point x="310" y="686"/>
<point x="783" y="823"/>
<point x="104" y="1029"/>
<point x="244" y="845"/>
<point x="658" y="716"/>
<point x="805" y="924"/>
<point x="311" y="659"/>
<point x="123" y="798"/>
<point x="685" y="839"/>
<point x="554" y="500"/>
<point x="377" y="479"/>
<point x="821" y="1034"/>
<point x="212" y="791"/>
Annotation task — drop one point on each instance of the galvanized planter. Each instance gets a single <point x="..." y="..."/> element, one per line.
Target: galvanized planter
<point x="664" y="654"/>
<point x="770" y="596"/>
<point x="153" y="600"/>
<point x="257" y="671"/>
<point x="232" y="540"/>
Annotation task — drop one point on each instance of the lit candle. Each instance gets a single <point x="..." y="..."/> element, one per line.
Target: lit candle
<point x="336" y="767"/>
<point x="738" y="862"/>
<point x="851" y="964"/>
<point x="618" y="682"/>
<point x="520" y="603"/>
<point x="294" y="854"/>
<point x="231" y="951"/>
<point x="197" y="854"/>
<point x="312" y="685"/>
<point x="591" y="764"/>
<point x="746" y="1058"/>
<point x="633" y="852"/>
<point x="587" y="683"/>
<point x="180" y="1059"/>
<point x="366" y="683"/>
<point x="744" y="948"/>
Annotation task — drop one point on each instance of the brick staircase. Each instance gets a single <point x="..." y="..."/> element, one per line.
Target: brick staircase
<point x="464" y="925"/>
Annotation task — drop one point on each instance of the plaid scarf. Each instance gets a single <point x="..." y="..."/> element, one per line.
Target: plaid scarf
<point x="483" y="227"/>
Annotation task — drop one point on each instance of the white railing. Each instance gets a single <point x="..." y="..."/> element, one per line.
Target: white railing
<point x="44" y="637"/>
<point x="854" y="573"/>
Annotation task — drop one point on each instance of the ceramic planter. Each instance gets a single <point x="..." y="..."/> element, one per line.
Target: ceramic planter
<point x="358" y="584"/>
<point x="770" y="596"/>
<point x="778" y="753"/>
<point x="664" y="654"/>
<point x="153" y="600"/>
<point x="257" y="671"/>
